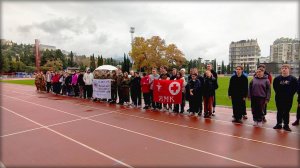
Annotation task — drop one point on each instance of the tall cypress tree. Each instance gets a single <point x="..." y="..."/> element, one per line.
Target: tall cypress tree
<point x="223" y="68"/>
<point x="92" y="63"/>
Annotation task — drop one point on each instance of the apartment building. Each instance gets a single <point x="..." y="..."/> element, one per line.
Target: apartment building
<point x="244" y="52"/>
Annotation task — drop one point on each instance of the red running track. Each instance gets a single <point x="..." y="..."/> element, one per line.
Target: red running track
<point x="44" y="130"/>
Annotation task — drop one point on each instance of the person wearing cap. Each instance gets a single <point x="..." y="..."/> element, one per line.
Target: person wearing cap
<point x="285" y="86"/>
<point x="259" y="94"/>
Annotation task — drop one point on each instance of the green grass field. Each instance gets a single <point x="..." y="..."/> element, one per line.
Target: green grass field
<point x="222" y="98"/>
<point x="22" y="82"/>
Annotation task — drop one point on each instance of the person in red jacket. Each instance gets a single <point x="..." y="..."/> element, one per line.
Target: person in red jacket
<point x="145" y="85"/>
<point x="55" y="83"/>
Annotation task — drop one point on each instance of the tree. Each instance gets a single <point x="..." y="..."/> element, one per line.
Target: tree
<point x="100" y="61"/>
<point x="55" y="65"/>
<point x="223" y="69"/>
<point x="92" y="63"/>
<point x="248" y="69"/>
<point x="17" y="66"/>
<point x="5" y="66"/>
<point x="59" y="55"/>
<point x="154" y="52"/>
<point x="228" y="69"/>
<point x="71" y="60"/>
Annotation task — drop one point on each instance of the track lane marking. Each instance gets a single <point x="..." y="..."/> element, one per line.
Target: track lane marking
<point x="185" y="126"/>
<point x="71" y="139"/>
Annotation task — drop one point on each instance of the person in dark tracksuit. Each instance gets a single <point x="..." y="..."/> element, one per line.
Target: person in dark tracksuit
<point x="285" y="86"/>
<point x="215" y="75"/>
<point x="259" y="93"/>
<point x="295" y="123"/>
<point x="135" y="90"/>
<point x="237" y="92"/>
<point x="194" y="93"/>
<point x="209" y="90"/>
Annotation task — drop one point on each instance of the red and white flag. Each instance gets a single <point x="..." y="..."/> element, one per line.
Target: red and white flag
<point x="167" y="91"/>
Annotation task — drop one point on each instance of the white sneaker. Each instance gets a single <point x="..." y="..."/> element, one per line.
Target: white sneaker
<point x="260" y="124"/>
<point x="255" y="123"/>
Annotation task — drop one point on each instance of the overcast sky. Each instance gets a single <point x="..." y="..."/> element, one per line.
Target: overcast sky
<point x="199" y="29"/>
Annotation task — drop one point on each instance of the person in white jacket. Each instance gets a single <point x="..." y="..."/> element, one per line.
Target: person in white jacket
<point x="88" y="80"/>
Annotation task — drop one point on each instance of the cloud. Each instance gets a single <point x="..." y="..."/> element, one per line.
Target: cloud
<point x="199" y="29"/>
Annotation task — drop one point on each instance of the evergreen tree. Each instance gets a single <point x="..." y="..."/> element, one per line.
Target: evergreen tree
<point x="215" y="65"/>
<point x="71" y="60"/>
<point x="248" y="68"/>
<point x="92" y="63"/>
<point x="231" y="67"/>
<point x="228" y="69"/>
<point x="223" y="67"/>
<point x="124" y="63"/>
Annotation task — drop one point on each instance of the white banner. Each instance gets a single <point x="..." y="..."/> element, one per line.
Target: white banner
<point x="102" y="88"/>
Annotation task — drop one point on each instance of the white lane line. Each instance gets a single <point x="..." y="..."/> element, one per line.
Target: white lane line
<point x="176" y="144"/>
<point x="71" y="139"/>
<point x="214" y="132"/>
<point x="195" y="128"/>
<point x="2" y="165"/>
<point x="61" y="123"/>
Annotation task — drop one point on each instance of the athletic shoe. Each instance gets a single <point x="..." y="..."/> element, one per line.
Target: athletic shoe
<point x="260" y="124"/>
<point x="255" y="123"/>
<point x="295" y="123"/>
<point x="264" y="119"/>
<point x="278" y="126"/>
<point x="237" y="121"/>
<point x="287" y="128"/>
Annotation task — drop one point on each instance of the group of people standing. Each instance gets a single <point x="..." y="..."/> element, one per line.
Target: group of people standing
<point x="259" y="93"/>
<point x="198" y="90"/>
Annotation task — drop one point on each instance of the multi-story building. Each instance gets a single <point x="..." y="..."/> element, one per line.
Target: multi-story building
<point x="285" y="50"/>
<point x="6" y="42"/>
<point x="244" y="52"/>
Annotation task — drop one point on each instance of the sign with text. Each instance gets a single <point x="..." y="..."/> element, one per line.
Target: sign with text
<point x="102" y="88"/>
<point x="167" y="91"/>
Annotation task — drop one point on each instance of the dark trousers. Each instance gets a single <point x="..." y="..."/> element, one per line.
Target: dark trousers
<point x="176" y="106"/>
<point x="257" y="107"/>
<point x="214" y="101"/>
<point x="136" y="97"/>
<point x="76" y="90"/>
<point x="147" y="99"/>
<point x="298" y="113"/>
<point x="243" y="106"/>
<point x="88" y="91"/>
<point x="238" y="107"/>
<point x="56" y="87"/>
<point x="154" y="104"/>
<point x="194" y="104"/>
<point x="208" y="104"/>
<point x="48" y="86"/>
<point x="283" y="111"/>
<point x="200" y="104"/>
<point x="114" y="94"/>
